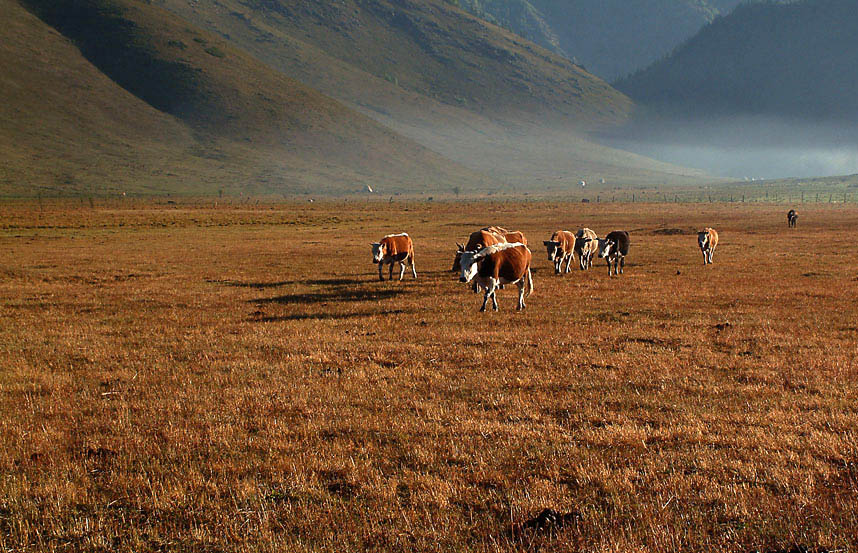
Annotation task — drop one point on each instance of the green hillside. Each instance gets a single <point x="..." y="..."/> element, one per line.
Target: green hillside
<point x="111" y="96"/>
<point x="796" y="61"/>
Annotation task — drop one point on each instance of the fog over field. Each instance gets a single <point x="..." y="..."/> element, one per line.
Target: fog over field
<point x="749" y="146"/>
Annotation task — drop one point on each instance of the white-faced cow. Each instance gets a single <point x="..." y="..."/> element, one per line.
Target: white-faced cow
<point x="497" y="265"/>
<point x="707" y="239"/>
<point x="586" y="247"/>
<point x="394" y="248"/>
<point x="792" y="218"/>
<point x="614" y="248"/>
<point x="488" y="236"/>
<point x="560" y="248"/>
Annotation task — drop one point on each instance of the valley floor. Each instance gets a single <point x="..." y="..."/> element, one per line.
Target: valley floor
<point x="234" y="378"/>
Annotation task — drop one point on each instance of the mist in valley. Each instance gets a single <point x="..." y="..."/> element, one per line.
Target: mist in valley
<point x="740" y="147"/>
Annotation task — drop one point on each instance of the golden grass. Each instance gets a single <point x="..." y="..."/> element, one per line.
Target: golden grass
<point x="235" y="379"/>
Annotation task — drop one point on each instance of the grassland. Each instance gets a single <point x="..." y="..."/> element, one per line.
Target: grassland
<point x="234" y="378"/>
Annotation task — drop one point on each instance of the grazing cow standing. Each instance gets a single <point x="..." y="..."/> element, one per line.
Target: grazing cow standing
<point x="586" y="246"/>
<point x="394" y="248"/>
<point x="707" y="239"/>
<point x="560" y="248"/>
<point x="497" y="265"/>
<point x="488" y="236"/>
<point x="614" y="248"/>
<point x="792" y="218"/>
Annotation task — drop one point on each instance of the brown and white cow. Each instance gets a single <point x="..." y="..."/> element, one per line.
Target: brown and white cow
<point x="792" y="218"/>
<point x="497" y="265"/>
<point x="707" y="239"/>
<point x="586" y="247"/>
<point x="394" y="248"/>
<point x="486" y="236"/>
<point x="560" y="248"/>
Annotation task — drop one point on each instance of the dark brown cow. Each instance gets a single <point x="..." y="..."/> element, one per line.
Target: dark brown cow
<point x="560" y="248"/>
<point x="614" y="248"/>
<point x="394" y="248"/>
<point x="792" y="218"/>
<point x="497" y="265"/>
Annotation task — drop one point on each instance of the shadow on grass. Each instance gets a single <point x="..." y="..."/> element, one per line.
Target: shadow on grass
<point x="280" y="283"/>
<point x="327" y="316"/>
<point x="353" y="291"/>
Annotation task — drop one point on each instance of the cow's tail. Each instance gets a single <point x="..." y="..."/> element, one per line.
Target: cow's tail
<point x="528" y="284"/>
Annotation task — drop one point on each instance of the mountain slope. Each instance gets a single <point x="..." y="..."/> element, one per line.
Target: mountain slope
<point x="475" y="93"/>
<point x="797" y="61"/>
<point x="428" y="47"/>
<point x="115" y="95"/>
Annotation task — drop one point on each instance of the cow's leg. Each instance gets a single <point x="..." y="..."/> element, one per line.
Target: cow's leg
<point x="495" y="299"/>
<point x="401" y="269"/>
<point x="485" y="299"/>
<point x="610" y="269"/>
<point x="380" y="276"/>
<point x="711" y="253"/>
<point x="413" y="268"/>
<point x="557" y="266"/>
<point x="705" y="257"/>
<point x="390" y="272"/>
<point x="622" y="263"/>
<point x="520" y="285"/>
<point x="568" y="262"/>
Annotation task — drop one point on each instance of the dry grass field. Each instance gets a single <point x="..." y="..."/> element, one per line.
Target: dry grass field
<point x="234" y="378"/>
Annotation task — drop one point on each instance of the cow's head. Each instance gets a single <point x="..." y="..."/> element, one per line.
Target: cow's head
<point x="457" y="266"/>
<point x="554" y="249"/>
<point x="377" y="252"/>
<point x="703" y="239"/>
<point x="469" y="266"/>
<point x="605" y="247"/>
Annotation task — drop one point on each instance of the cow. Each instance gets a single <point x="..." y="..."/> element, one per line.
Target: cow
<point x="560" y="248"/>
<point x="586" y="245"/>
<point x="488" y="236"/>
<point x="792" y="218"/>
<point x="497" y="265"/>
<point x="614" y="248"/>
<point x="394" y="248"/>
<point x="707" y="239"/>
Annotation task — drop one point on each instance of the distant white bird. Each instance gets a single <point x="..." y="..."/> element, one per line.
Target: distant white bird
<point x="582" y="183"/>
<point x="601" y="181"/>
<point x="368" y="188"/>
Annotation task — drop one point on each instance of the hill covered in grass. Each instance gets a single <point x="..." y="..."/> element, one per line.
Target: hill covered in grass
<point x="465" y="88"/>
<point x="796" y="60"/>
<point x="111" y="96"/>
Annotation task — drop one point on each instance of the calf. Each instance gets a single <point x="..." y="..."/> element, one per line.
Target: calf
<point x="586" y="246"/>
<point x="792" y="218"/>
<point x="614" y="249"/>
<point x="394" y="248"/>
<point x="497" y="265"/>
<point x="707" y="239"/>
<point x="560" y="248"/>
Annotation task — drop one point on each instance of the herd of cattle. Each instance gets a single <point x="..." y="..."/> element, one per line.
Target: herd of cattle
<point x="495" y="256"/>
